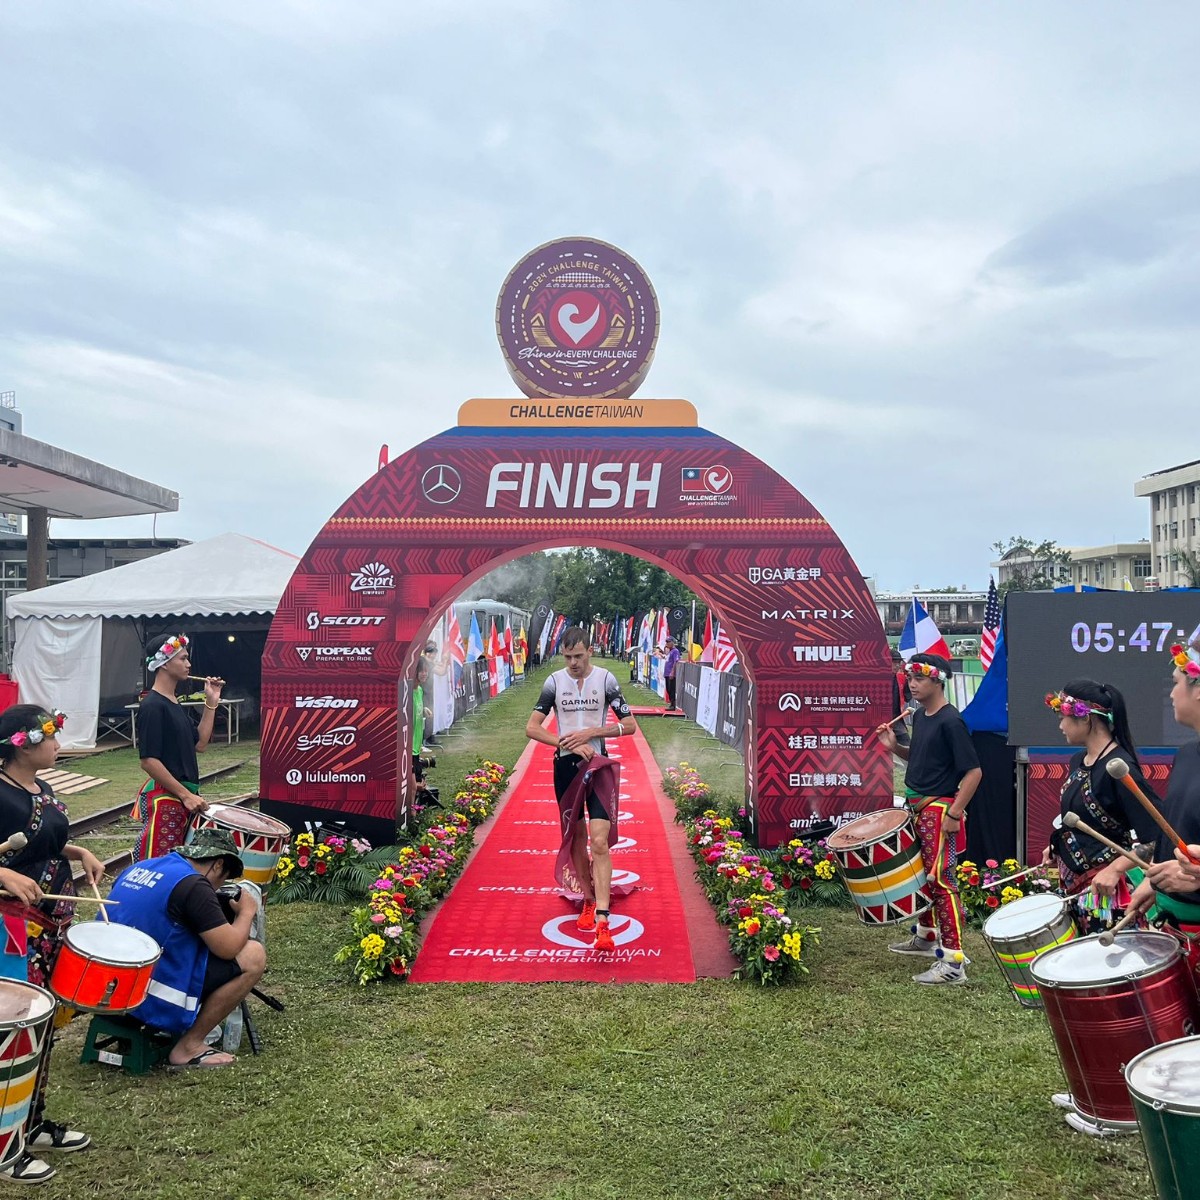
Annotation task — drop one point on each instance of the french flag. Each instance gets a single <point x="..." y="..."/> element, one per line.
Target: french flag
<point x="921" y="635"/>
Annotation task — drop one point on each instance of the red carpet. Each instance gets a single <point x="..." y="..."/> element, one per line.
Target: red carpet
<point x="505" y="921"/>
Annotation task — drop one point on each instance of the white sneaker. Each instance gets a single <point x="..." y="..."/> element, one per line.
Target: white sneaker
<point x="1084" y="1124"/>
<point x="942" y="972"/>
<point x="926" y="947"/>
<point x="1063" y="1100"/>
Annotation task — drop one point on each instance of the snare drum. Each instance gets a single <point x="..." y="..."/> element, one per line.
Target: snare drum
<point x="879" y="859"/>
<point x="260" y="839"/>
<point x="1105" y="1005"/>
<point x="26" y="1013"/>
<point x="104" y="968"/>
<point x="1164" y="1083"/>
<point x="1017" y="933"/>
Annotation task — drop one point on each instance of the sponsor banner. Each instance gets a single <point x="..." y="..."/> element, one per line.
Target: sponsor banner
<point x="709" y="702"/>
<point x="583" y="414"/>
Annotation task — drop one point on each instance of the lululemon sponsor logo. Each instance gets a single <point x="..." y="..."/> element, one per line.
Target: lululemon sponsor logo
<point x="561" y="931"/>
<point x="294" y="777"/>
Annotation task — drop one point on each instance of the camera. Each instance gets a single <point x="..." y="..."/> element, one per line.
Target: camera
<point x="428" y="761"/>
<point x="231" y="891"/>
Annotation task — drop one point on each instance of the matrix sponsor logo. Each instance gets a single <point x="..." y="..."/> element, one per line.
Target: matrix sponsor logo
<point x="782" y="574"/>
<point x="372" y="579"/>
<point x="336" y="653"/>
<point x="575" y="485"/>
<point x="342" y="735"/>
<point x="807" y="614"/>
<point x="325" y="702"/>
<point x="314" y="620"/>
<point x="295" y="777"/>
<point x="825" y="654"/>
<point x="706" y="486"/>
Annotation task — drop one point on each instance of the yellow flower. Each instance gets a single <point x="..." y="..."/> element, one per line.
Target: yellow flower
<point x="824" y="870"/>
<point x="1010" y="894"/>
<point x="304" y="839"/>
<point x="371" y="945"/>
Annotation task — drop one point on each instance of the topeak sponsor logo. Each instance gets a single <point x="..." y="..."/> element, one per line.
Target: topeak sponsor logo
<point x="342" y="735"/>
<point x="807" y="614"/>
<point x="575" y="484"/>
<point x="372" y="579"/>
<point x="314" y="620"/>
<point x="325" y="702"/>
<point x="336" y="653"/>
<point x="841" y="654"/>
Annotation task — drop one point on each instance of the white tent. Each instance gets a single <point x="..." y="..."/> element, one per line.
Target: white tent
<point x="69" y="636"/>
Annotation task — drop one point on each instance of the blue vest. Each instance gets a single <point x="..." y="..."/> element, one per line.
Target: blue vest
<point x="142" y="892"/>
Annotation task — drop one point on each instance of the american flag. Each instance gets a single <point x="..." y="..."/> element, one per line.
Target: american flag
<point x="991" y="627"/>
<point x="725" y="655"/>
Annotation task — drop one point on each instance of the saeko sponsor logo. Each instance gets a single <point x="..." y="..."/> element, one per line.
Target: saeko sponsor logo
<point x="373" y="579"/>
<point x="314" y="620"/>
<point x="336" y="653"/>
<point x="825" y="654"/>
<point x="575" y="484"/>
<point x="326" y="702"/>
<point x="341" y="735"/>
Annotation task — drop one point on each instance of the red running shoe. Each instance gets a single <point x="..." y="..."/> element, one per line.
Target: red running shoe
<point x="587" y="918"/>
<point x="603" y="937"/>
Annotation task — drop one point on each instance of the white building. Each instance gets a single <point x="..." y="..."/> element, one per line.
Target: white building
<point x="1174" y="496"/>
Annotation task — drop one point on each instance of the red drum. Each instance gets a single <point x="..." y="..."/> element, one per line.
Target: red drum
<point x="260" y="839"/>
<point x="26" y="1012"/>
<point x="104" y="968"/>
<point x="1105" y="1005"/>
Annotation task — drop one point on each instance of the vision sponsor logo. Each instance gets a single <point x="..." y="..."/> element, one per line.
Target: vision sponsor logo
<point x="295" y="777"/>
<point x="325" y="702"/>
<point x="825" y="654"/>
<point x="336" y="653"/>
<point x="342" y="735"/>
<point x="789" y="702"/>
<point x="782" y="574"/>
<point x="807" y="614"/>
<point x="575" y="485"/>
<point x="372" y="579"/>
<point x="706" y="486"/>
<point x="314" y="620"/>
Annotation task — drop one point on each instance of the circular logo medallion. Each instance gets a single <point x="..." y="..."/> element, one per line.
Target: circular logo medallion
<point x="577" y="317"/>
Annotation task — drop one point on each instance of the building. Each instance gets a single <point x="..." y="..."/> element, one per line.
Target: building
<point x="1174" y="496"/>
<point x="954" y="613"/>
<point x="1020" y="563"/>
<point x="1110" y="566"/>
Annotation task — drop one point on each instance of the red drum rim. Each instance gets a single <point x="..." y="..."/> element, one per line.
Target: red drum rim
<point x="245" y="820"/>
<point x="1123" y="944"/>
<point x="95" y="932"/>
<point x="870" y="827"/>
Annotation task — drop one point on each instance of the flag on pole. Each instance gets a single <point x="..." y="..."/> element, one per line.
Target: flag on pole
<point x="708" y="647"/>
<point x="644" y="634"/>
<point x="523" y="642"/>
<point x="454" y="636"/>
<point x="991" y="627"/>
<point x="1126" y="586"/>
<point x="474" y="641"/>
<point x="725" y="657"/>
<point x="508" y="643"/>
<point x="544" y="636"/>
<point x="664" y="630"/>
<point x="921" y="635"/>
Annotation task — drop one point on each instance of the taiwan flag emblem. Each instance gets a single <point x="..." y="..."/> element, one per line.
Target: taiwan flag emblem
<point x="692" y="480"/>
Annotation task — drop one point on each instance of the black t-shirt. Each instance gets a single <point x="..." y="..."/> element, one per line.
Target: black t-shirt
<point x="1112" y="797"/>
<point x="41" y="860"/>
<point x="168" y="732"/>
<point x="193" y="904"/>
<point x="1181" y="807"/>
<point x="941" y="752"/>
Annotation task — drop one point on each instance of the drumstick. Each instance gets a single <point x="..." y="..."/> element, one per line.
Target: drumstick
<point x="1110" y="935"/>
<point x="904" y="712"/>
<point x="1010" y="878"/>
<point x="60" y="896"/>
<point x="204" y="678"/>
<point x="18" y="841"/>
<point x="1072" y="821"/>
<point x="1119" y="769"/>
<point x="103" y="910"/>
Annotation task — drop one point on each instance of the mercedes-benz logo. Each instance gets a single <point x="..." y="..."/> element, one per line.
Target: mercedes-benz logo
<point x="441" y="484"/>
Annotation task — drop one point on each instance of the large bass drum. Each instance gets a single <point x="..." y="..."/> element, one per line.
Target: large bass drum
<point x="879" y="859"/>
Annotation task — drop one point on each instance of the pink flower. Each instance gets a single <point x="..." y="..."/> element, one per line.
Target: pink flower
<point x="771" y="953"/>
<point x="378" y="918"/>
<point x="990" y="862"/>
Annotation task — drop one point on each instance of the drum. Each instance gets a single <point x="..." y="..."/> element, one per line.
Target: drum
<point x="1105" y="1005"/>
<point x="879" y="859"/>
<point x="26" y="1012"/>
<point x="104" y="968"/>
<point x="260" y="839"/>
<point x="1017" y="933"/>
<point x="1164" y="1083"/>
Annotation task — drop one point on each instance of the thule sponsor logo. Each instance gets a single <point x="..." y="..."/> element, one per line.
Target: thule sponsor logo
<point x="325" y="702"/>
<point x="335" y="653"/>
<point x="575" y="484"/>
<point x="314" y="620"/>
<point x="808" y="614"/>
<point x="342" y="735"/>
<point x="823" y="653"/>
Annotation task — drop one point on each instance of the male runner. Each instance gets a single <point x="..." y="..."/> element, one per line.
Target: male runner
<point x="580" y="695"/>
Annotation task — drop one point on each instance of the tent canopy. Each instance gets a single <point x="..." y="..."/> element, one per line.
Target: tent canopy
<point x="223" y="576"/>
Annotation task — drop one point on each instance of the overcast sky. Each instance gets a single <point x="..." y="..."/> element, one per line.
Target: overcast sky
<point x="935" y="263"/>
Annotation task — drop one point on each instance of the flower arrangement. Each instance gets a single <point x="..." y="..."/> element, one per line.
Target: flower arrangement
<point x="1187" y="659"/>
<point x="768" y="942"/>
<point x="807" y="869"/>
<point x="329" y="867"/>
<point x="980" y="899"/>
<point x="480" y="790"/>
<point x="48" y="725"/>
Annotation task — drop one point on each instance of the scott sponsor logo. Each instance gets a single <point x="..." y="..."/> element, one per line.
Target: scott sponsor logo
<point x="314" y="620"/>
<point x="807" y="614"/>
<point x="575" y="484"/>
<point x="336" y="653"/>
<point x="325" y="702"/>
<point x="841" y="654"/>
<point x="342" y="735"/>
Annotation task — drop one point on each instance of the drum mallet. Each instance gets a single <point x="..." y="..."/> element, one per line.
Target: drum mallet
<point x="18" y="841"/>
<point x="1119" y="770"/>
<point x="1110" y="935"/>
<point x="1010" y="878"/>
<point x="904" y="712"/>
<point x="103" y="909"/>
<point x="1072" y="821"/>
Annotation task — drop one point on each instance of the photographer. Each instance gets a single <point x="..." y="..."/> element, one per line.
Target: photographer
<point x="209" y="964"/>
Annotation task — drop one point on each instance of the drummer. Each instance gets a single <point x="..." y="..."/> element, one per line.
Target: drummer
<point x="34" y="926"/>
<point x="168" y="741"/>
<point x="943" y="773"/>
<point x="1093" y="717"/>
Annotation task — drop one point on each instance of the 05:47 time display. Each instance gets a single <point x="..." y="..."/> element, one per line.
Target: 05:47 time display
<point x="1103" y="637"/>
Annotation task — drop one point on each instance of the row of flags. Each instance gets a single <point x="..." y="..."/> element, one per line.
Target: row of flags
<point x="922" y="636"/>
<point x="498" y="645"/>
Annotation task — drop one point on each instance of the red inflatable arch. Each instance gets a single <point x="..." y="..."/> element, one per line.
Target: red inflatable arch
<point x="429" y="523"/>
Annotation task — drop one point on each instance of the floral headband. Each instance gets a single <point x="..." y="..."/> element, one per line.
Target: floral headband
<point x="1187" y="659"/>
<point x="926" y="669"/>
<point x="167" y="651"/>
<point x="47" y="726"/>
<point x="1068" y="706"/>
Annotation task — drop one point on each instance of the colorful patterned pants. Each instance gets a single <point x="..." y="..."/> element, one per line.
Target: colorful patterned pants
<point x="939" y="858"/>
<point x="166" y="822"/>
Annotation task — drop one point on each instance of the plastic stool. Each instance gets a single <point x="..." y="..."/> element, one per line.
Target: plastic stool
<point x="126" y="1043"/>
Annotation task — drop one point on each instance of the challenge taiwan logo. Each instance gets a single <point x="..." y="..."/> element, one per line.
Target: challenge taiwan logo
<point x="577" y="317"/>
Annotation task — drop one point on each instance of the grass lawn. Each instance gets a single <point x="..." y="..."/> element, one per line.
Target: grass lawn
<point x="716" y="1089"/>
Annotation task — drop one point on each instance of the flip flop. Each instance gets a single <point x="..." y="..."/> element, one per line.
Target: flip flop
<point x="199" y="1061"/>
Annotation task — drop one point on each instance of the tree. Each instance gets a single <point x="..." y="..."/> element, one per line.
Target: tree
<point x="1189" y="564"/>
<point x="1030" y="566"/>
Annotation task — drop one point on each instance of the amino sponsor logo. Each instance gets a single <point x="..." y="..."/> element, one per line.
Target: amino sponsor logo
<point x="336" y="653"/>
<point x="807" y="614"/>
<point x="840" y="654"/>
<point x="314" y="620"/>
<point x="372" y="579"/>
<point x="325" y="702"/>
<point x="341" y="735"/>
<point x="575" y="484"/>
